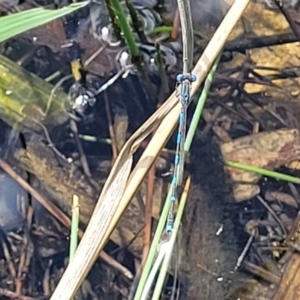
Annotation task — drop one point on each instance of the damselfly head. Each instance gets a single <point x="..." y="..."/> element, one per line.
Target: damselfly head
<point x="81" y="98"/>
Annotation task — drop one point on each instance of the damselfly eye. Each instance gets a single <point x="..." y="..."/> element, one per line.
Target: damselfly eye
<point x="83" y="101"/>
<point x="81" y="98"/>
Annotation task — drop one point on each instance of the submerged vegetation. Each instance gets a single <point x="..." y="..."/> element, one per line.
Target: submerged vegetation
<point x="90" y="96"/>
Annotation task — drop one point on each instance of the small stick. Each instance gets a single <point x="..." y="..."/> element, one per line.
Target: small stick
<point x="55" y="211"/>
<point x="175" y="27"/>
<point x="83" y="159"/>
<point x="114" y="146"/>
<point x="74" y="227"/>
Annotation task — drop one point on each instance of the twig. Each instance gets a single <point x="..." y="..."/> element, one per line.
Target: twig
<point x="148" y="215"/>
<point x="46" y="279"/>
<point x="57" y="86"/>
<point x="83" y="159"/>
<point x="74" y="227"/>
<point x="14" y="295"/>
<point x="114" y="146"/>
<point x="245" y="250"/>
<point x="94" y="55"/>
<point x="187" y="34"/>
<point x="7" y="256"/>
<point x="261" y="272"/>
<point x="242" y="44"/>
<point x="55" y="211"/>
<point x="175" y="28"/>
<point x="273" y="214"/>
<point x="289" y="19"/>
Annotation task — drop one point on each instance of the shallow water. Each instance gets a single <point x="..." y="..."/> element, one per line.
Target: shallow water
<point x="215" y="228"/>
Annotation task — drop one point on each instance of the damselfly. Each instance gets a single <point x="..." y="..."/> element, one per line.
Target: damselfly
<point x="184" y="97"/>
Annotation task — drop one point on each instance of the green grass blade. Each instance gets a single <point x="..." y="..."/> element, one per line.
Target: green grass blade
<point x="17" y="23"/>
<point x="74" y="227"/>
<point x="263" y="172"/>
<point x="165" y="265"/>
<point x="200" y="105"/>
<point x="122" y="21"/>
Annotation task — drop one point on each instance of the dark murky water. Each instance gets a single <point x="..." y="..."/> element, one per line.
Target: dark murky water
<point x="110" y="89"/>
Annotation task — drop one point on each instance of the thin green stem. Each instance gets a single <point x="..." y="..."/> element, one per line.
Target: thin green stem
<point x="200" y="104"/>
<point x="263" y="172"/>
<point x="122" y="21"/>
<point x="171" y="243"/>
<point x="154" y="246"/>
